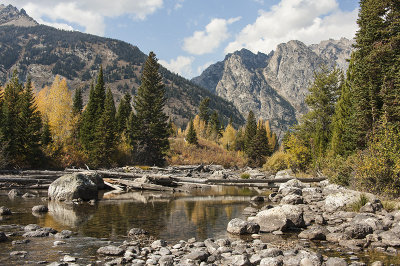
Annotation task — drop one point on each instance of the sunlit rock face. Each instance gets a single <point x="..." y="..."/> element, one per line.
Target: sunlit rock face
<point x="273" y="86"/>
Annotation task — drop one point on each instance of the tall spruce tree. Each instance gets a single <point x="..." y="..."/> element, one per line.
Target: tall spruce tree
<point x="191" y="136"/>
<point x="260" y="147"/>
<point x="11" y="111"/>
<point x="123" y="113"/>
<point x="92" y="114"/>
<point x="77" y="104"/>
<point x="204" y="112"/>
<point x="30" y="124"/>
<point x="105" y="135"/>
<point x="149" y="129"/>
<point x="250" y="133"/>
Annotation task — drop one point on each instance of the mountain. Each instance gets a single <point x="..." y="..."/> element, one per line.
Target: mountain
<point x="42" y="52"/>
<point x="274" y="86"/>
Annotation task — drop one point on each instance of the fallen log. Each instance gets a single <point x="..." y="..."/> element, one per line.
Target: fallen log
<point x="262" y="181"/>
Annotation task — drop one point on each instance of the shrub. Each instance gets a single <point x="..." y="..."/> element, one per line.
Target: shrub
<point x="338" y="169"/>
<point x="377" y="168"/>
<point x="300" y="154"/>
<point x="245" y="176"/>
<point x="389" y="205"/>
<point x="277" y="162"/>
<point x="356" y="206"/>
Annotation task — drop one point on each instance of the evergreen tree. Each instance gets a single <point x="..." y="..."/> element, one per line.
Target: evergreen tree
<point x="204" y="111"/>
<point x="214" y="127"/>
<point x="260" y="148"/>
<point x="191" y="136"/>
<point x="11" y="111"/>
<point x="149" y="132"/>
<point x="105" y="135"/>
<point x="92" y="114"/>
<point x="124" y="111"/>
<point x="77" y="104"/>
<point x="45" y="137"/>
<point x="250" y="133"/>
<point x="30" y="124"/>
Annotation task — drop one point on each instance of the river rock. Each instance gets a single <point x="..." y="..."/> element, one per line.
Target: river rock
<point x="315" y="232"/>
<point x="3" y="237"/>
<point x="158" y="244"/>
<point x="257" y="199"/>
<point x="271" y="262"/>
<point x="239" y="227"/>
<point x="334" y="261"/>
<point x="13" y="193"/>
<point x="293" y="183"/>
<point x="296" y="259"/>
<point x="237" y="260"/>
<point x="280" y="218"/>
<point x="110" y="250"/>
<point x="358" y="231"/>
<point x="197" y="254"/>
<point x="372" y="207"/>
<point x="71" y="187"/>
<point x="288" y="173"/>
<point x="341" y="199"/>
<point x="40" y="209"/>
<point x="390" y="238"/>
<point x="31" y="227"/>
<point x="292" y="199"/>
<point x="95" y="178"/>
<point x="211" y="245"/>
<point x="290" y="191"/>
<point x="270" y="252"/>
<point x="5" y="211"/>
<point x="137" y="231"/>
<point x="28" y="195"/>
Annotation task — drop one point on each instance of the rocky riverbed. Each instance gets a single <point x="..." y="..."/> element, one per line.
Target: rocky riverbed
<point x="299" y="224"/>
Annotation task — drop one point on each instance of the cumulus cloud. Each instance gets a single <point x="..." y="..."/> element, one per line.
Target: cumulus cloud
<point x="309" y="21"/>
<point x="181" y="65"/>
<point x="89" y="14"/>
<point x="203" y="42"/>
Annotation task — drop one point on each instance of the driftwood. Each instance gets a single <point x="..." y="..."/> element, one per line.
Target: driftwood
<point x="261" y="181"/>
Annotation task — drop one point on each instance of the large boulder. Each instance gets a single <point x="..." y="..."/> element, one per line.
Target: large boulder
<point x="239" y="227"/>
<point x="73" y="186"/>
<point x="341" y="199"/>
<point x="280" y="218"/>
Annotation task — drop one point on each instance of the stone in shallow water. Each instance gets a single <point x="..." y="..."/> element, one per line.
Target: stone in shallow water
<point x="5" y="211"/>
<point x="334" y="261"/>
<point x="137" y="231"/>
<point x="31" y="227"/>
<point x="68" y="258"/>
<point x="197" y="255"/>
<point x="15" y="193"/>
<point x="110" y="250"/>
<point x="239" y="227"/>
<point x="40" y="209"/>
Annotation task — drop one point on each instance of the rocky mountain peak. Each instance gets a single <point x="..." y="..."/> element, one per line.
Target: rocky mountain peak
<point x="273" y="86"/>
<point x="10" y="15"/>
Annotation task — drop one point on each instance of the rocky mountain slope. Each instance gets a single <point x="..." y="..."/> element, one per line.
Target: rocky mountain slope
<point x="43" y="52"/>
<point x="274" y="86"/>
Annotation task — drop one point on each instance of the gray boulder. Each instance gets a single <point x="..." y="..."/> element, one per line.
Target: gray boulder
<point x="239" y="227"/>
<point x="13" y="193"/>
<point x="335" y="261"/>
<point x="73" y="186"/>
<point x="358" y="231"/>
<point x="292" y="199"/>
<point x="271" y="261"/>
<point x="280" y="218"/>
<point x="137" y="232"/>
<point x="372" y="207"/>
<point x="40" y="209"/>
<point x="110" y="251"/>
<point x="316" y="232"/>
<point x="340" y="199"/>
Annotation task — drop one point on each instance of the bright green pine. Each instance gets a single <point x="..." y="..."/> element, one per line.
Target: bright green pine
<point x="105" y="136"/>
<point x="77" y="104"/>
<point x="344" y="140"/>
<point x="250" y="133"/>
<point x="204" y="112"/>
<point x="149" y="126"/>
<point x="316" y="125"/>
<point x="30" y="124"/>
<point x="191" y="136"/>
<point x="123" y="113"/>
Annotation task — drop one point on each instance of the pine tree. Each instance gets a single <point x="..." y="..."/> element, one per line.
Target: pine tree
<point x="105" y="135"/>
<point x="204" y="111"/>
<point x="250" y="133"/>
<point x="77" y="104"/>
<point x="260" y="147"/>
<point x="45" y="137"/>
<point x="191" y="136"/>
<point x="149" y="132"/>
<point x="11" y="111"/>
<point x="92" y="114"/>
<point x="123" y="113"/>
<point x="30" y="124"/>
<point x="214" y="127"/>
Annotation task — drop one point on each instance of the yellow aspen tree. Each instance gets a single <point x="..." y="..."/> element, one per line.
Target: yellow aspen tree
<point x="272" y="140"/>
<point x="228" y="137"/>
<point x="55" y="103"/>
<point x="200" y="126"/>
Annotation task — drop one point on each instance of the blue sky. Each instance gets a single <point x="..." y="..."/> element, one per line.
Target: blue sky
<point x="188" y="35"/>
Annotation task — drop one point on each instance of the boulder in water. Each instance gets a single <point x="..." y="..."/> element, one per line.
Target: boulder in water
<point x="73" y="186"/>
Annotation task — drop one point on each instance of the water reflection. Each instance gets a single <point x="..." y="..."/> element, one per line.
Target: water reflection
<point x="201" y="214"/>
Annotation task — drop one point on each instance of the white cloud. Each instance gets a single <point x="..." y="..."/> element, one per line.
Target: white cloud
<point x="181" y="65"/>
<point x="89" y="14"/>
<point x="203" y="42"/>
<point x="309" y="21"/>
